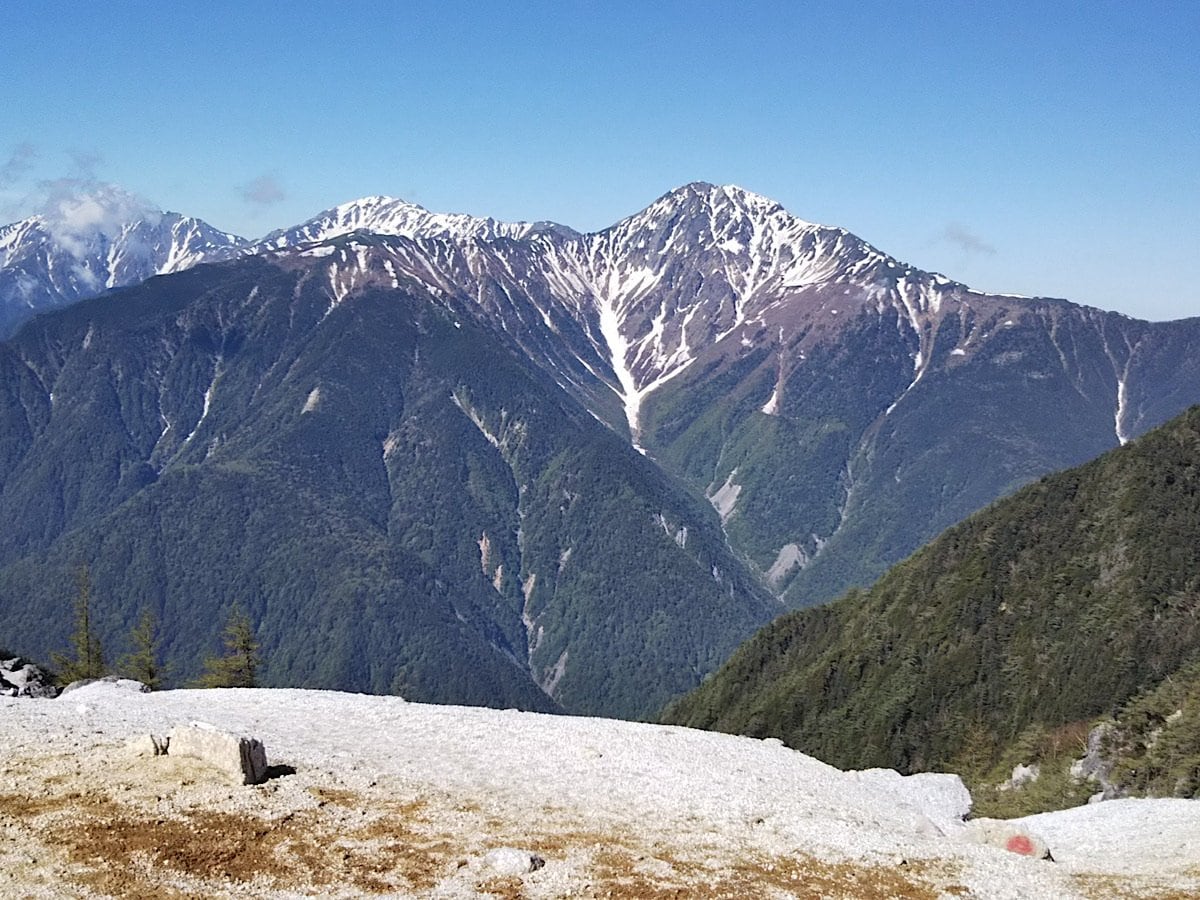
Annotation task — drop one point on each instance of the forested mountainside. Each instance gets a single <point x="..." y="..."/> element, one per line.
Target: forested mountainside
<point x="399" y="501"/>
<point x="1055" y="605"/>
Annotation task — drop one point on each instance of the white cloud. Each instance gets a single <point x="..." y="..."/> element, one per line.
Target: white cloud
<point x="78" y="212"/>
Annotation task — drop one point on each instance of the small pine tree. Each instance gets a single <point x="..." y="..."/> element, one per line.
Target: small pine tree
<point x="86" y="658"/>
<point x="142" y="662"/>
<point x="239" y="666"/>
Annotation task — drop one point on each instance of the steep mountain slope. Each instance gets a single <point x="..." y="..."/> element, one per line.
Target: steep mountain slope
<point x="837" y="406"/>
<point x="400" y="499"/>
<point x="82" y="246"/>
<point x="1054" y="605"/>
<point x="840" y="407"/>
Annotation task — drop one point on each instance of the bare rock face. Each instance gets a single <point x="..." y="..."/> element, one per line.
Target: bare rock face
<point x="242" y="758"/>
<point x="1096" y="765"/>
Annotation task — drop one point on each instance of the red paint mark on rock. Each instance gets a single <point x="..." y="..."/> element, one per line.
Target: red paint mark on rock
<point x="1019" y="843"/>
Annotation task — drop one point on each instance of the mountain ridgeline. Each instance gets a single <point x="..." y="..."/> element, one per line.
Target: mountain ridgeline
<point x="510" y="463"/>
<point x="1057" y="604"/>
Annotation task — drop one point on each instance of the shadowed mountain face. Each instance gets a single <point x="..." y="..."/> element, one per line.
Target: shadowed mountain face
<point x="835" y="407"/>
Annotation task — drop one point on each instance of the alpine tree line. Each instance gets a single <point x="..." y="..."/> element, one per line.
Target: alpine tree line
<point x="237" y="665"/>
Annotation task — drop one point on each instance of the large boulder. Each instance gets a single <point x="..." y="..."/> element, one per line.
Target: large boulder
<point x="1007" y="836"/>
<point x="19" y="678"/>
<point x="105" y="683"/>
<point x="240" y="757"/>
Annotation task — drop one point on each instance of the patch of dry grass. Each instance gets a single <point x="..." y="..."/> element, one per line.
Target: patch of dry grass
<point x="754" y="875"/>
<point x="157" y="829"/>
<point x="1113" y="888"/>
<point x="348" y="842"/>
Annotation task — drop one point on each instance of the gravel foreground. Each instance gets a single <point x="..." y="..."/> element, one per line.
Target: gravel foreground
<point x="376" y="796"/>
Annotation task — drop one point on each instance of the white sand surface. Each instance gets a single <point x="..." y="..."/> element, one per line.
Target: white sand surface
<point x="403" y="799"/>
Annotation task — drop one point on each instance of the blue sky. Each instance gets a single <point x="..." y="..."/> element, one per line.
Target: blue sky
<point x="1029" y="147"/>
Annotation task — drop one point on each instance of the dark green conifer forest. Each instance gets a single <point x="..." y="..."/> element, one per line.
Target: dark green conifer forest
<point x="1055" y="605"/>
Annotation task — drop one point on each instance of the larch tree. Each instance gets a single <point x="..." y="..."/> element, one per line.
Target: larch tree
<point x="239" y="665"/>
<point x="86" y="657"/>
<point x="143" y="663"/>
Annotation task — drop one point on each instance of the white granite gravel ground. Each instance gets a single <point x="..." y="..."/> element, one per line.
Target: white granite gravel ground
<point x="681" y="808"/>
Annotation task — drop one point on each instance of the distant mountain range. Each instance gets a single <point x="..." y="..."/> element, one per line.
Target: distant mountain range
<point x="82" y="246"/>
<point x="835" y="407"/>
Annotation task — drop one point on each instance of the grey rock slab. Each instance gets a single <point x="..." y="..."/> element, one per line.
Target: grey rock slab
<point x="242" y="758"/>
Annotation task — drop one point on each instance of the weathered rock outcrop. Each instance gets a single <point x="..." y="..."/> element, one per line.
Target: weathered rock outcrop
<point x="21" y="678"/>
<point x="1096" y="765"/>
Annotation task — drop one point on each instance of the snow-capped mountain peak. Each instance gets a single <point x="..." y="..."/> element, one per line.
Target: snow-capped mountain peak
<point x="400" y="218"/>
<point x="84" y="242"/>
<point x="700" y="264"/>
<point x="729" y="199"/>
<point x="753" y="238"/>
